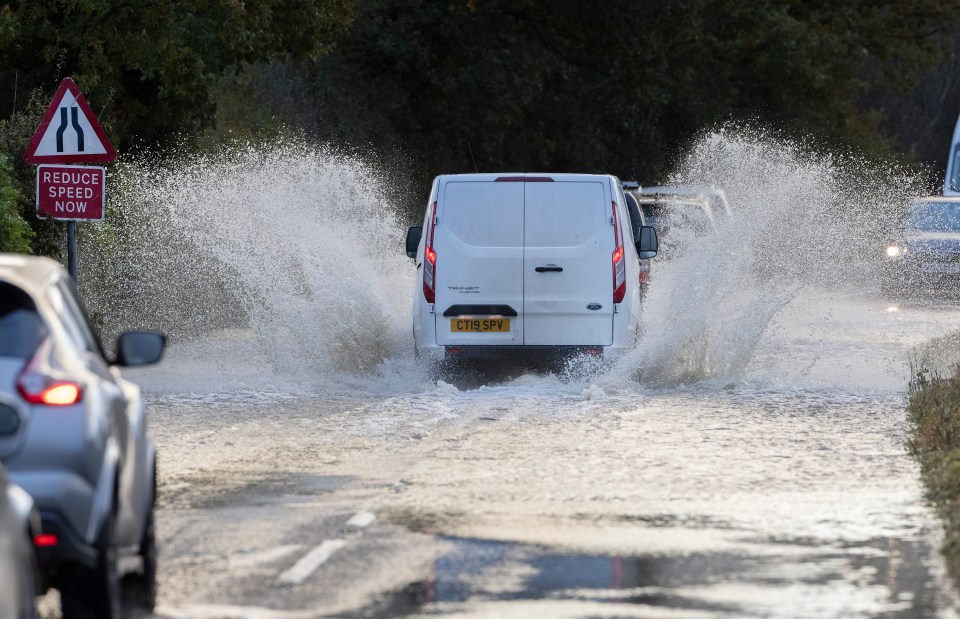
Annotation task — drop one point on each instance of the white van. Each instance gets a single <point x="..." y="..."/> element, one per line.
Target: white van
<point x="951" y="184"/>
<point x="521" y="266"/>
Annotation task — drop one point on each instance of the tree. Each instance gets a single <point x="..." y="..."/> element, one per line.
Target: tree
<point x="147" y="67"/>
<point x="615" y="86"/>
<point x="14" y="232"/>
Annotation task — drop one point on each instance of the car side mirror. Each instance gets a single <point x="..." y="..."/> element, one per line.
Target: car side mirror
<point x="140" y="348"/>
<point x="648" y="244"/>
<point x="413" y="240"/>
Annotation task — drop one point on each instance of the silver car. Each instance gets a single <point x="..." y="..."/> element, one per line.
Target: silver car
<point x="926" y="252"/>
<point x="19" y="528"/>
<point x="80" y="447"/>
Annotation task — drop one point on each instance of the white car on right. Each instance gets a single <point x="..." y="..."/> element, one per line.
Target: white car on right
<point x="926" y="251"/>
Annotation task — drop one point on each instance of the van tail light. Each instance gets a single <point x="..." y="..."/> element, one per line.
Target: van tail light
<point x="429" y="275"/>
<point x="619" y="276"/>
<point x="38" y="387"/>
<point x="619" y="264"/>
<point x="430" y="259"/>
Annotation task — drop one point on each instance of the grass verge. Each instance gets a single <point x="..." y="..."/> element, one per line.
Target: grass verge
<point x="933" y="413"/>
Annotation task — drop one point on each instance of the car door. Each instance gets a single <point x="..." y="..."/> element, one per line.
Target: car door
<point x="567" y="262"/>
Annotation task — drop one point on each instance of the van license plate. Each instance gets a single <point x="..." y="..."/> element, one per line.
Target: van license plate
<point x="480" y="325"/>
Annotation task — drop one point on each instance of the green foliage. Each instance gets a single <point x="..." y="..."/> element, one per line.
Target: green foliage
<point x="147" y="68"/>
<point x="934" y="416"/>
<point x="15" y="134"/>
<point x="150" y="70"/>
<point x="14" y="232"/>
<point x="617" y="86"/>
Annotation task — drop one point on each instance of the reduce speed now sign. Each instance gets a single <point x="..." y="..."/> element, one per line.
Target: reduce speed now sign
<point x="71" y="192"/>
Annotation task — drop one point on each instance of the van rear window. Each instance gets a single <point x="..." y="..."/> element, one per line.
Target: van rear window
<point x="566" y="214"/>
<point x="484" y="214"/>
<point x="21" y="327"/>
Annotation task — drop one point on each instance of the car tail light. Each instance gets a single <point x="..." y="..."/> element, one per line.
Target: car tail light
<point x="430" y="259"/>
<point x="37" y="386"/>
<point x="45" y="540"/>
<point x="619" y="264"/>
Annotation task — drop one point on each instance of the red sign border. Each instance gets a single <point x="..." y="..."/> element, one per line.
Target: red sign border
<point x="103" y="194"/>
<point x="31" y="157"/>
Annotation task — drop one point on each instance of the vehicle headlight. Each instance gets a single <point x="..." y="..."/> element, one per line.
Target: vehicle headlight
<point x="895" y="250"/>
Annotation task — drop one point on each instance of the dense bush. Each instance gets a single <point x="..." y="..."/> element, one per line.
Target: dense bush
<point x="428" y="87"/>
<point x="14" y="232"/>
<point x="934" y="416"/>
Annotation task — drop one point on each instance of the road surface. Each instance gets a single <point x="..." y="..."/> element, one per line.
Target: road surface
<point x="784" y="492"/>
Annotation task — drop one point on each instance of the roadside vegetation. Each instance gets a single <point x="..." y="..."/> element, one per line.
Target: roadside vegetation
<point x="934" y="435"/>
<point x="420" y="88"/>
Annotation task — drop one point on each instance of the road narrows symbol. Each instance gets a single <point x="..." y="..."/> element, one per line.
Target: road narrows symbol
<point x="75" y="121"/>
<point x="76" y="127"/>
<point x="61" y="129"/>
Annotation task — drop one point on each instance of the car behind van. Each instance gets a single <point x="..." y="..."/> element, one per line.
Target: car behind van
<point x="526" y="266"/>
<point x="926" y="253"/>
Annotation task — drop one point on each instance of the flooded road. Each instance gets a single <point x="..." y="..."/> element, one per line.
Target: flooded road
<point x="745" y="459"/>
<point x="782" y="493"/>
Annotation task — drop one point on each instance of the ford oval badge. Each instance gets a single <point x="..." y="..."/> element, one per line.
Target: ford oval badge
<point x="594" y="307"/>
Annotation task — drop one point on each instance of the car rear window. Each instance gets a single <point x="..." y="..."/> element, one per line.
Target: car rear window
<point x="565" y="214"/>
<point x="484" y="214"/>
<point x="21" y="327"/>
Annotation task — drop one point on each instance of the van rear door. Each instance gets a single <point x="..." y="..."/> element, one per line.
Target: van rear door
<point x="478" y="238"/>
<point x="567" y="262"/>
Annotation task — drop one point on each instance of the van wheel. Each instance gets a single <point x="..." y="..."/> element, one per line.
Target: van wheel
<point x="95" y="594"/>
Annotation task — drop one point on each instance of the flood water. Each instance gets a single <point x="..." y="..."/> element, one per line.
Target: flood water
<point x="746" y="459"/>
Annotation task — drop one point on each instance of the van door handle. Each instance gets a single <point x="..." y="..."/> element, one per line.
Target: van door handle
<point x="550" y="269"/>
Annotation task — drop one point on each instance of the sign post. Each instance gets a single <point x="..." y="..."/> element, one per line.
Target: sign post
<point x="70" y="133"/>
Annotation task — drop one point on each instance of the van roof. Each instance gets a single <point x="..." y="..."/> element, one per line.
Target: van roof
<point x="520" y="176"/>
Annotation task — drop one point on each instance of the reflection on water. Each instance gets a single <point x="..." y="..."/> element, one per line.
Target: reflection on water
<point x="479" y="576"/>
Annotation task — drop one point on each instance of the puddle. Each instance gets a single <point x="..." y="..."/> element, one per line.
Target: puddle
<point x="477" y="577"/>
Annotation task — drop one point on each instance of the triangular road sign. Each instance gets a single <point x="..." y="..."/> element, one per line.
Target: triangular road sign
<point x="69" y="131"/>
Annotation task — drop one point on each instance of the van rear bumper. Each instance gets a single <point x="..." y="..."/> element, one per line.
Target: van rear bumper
<point x="520" y="353"/>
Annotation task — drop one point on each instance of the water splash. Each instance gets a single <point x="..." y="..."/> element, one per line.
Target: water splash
<point x="294" y="242"/>
<point x="802" y="220"/>
<point x="297" y="247"/>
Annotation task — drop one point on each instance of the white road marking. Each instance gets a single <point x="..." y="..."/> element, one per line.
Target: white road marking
<point x="255" y="558"/>
<point x="309" y="563"/>
<point x="223" y="611"/>
<point x="361" y="520"/>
